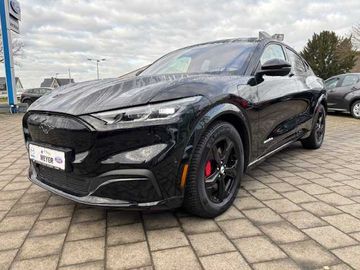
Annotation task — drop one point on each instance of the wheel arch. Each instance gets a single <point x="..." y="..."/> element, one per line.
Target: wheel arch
<point x="322" y="101"/>
<point x="351" y="103"/>
<point x="240" y="126"/>
<point x="232" y="114"/>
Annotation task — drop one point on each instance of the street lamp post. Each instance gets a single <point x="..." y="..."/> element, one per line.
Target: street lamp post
<point x="97" y="65"/>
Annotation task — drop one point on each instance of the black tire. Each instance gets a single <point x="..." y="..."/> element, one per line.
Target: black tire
<point x="28" y="102"/>
<point x="210" y="195"/>
<point x="316" y="138"/>
<point x="355" y="109"/>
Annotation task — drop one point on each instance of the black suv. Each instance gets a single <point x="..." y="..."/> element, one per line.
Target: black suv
<point x="344" y="93"/>
<point x="30" y="95"/>
<point x="181" y="132"/>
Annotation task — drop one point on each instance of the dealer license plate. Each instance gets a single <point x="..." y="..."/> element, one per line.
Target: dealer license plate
<point x="48" y="157"/>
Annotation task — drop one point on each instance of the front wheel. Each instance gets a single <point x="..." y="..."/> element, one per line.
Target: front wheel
<point x="215" y="171"/>
<point x="316" y="138"/>
<point x="355" y="109"/>
<point x="28" y="102"/>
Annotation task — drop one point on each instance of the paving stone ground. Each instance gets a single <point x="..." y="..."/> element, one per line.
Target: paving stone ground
<point x="298" y="210"/>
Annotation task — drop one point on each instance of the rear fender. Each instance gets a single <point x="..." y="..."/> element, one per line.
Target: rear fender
<point x="352" y="97"/>
<point x="321" y="101"/>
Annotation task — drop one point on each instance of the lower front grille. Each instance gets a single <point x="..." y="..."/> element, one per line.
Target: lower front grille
<point x="63" y="181"/>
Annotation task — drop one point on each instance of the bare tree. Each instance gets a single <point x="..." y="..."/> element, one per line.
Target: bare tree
<point x="17" y="46"/>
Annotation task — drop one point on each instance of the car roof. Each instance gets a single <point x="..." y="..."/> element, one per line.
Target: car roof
<point x="234" y="40"/>
<point x="35" y="88"/>
<point x="344" y="74"/>
<point x="350" y="73"/>
<point x="262" y="37"/>
<point x="41" y="88"/>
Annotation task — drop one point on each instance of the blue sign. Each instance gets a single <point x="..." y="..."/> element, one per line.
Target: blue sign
<point x="15" y="10"/>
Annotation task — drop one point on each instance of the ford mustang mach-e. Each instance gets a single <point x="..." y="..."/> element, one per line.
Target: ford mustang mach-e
<point x="179" y="132"/>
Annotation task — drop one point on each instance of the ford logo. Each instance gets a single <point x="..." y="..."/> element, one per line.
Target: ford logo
<point x="15" y="6"/>
<point x="58" y="160"/>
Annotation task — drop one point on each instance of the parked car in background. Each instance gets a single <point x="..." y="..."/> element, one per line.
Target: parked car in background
<point x="30" y="95"/>
<point x="344" y="93"/>
<point x="181" y="132"/>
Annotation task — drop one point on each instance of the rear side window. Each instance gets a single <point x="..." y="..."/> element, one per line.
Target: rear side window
<point x="350" y="80"/>
<point x="296" y="63"/>
<point x="272" y="51"/>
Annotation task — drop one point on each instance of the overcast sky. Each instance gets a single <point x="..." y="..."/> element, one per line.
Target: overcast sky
<point x="62" y="34"/>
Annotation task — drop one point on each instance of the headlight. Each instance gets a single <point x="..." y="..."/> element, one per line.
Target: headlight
<point x="148" y="113"/>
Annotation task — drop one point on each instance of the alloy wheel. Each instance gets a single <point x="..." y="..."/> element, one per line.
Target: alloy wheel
<point x="220" y="170"/>
<point x="356" y="110"/>
<point x="320" y="126"/>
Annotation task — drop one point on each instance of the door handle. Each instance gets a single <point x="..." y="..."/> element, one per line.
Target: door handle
<point x="355" y="88"/>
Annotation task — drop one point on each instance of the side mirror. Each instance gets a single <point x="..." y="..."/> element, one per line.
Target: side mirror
<point x="275" y="67"/>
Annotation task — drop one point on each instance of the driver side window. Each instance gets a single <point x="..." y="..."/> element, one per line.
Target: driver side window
<point x="272" y="51"/>
<point x="331" y="83"/>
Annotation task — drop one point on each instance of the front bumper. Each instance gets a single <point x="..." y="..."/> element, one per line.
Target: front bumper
<point x="94" y="200"/>
<point x="130" y="168"/>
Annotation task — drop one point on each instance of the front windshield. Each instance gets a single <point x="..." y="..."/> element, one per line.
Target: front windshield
<point x="226" y="57"/>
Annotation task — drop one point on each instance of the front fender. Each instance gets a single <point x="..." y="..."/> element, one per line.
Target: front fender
<point x="215" y="113"/>
<point x="221" y="111"/>
<point x="322" y="100"/>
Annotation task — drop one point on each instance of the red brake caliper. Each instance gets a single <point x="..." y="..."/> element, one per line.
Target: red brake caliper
<point x="208" y="168"/>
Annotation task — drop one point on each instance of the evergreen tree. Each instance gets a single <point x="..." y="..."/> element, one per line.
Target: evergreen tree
<point x="329" y="55"/>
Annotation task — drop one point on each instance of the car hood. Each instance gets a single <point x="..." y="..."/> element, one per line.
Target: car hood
<point x="101" y="95"/>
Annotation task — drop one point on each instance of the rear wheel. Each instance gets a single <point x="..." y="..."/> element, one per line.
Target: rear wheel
<point x="215" y="171"/>
<point x="355" y="109"/>
<point x="316" y="138"/>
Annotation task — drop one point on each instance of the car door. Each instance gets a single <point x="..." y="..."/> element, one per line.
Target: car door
<point x="29" y="95"/>
<point x="35" y="94"/>
<point x="43" y="91"/>
<point x="331" y="85"/>
<point x="310" y="88"/>
<point x="278" y="106"/>
<point x="345" y="86"/>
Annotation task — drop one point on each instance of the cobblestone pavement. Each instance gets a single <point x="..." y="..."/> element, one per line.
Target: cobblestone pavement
<point x="298" y="210"/>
